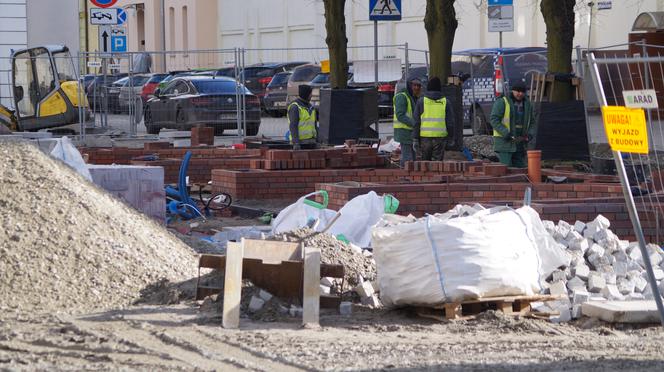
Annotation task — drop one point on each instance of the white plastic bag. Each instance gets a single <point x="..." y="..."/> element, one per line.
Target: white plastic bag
<point x="301" y="213"/>
<point x="67" y="153"/>
<point x="493" y="252"/>
<point x="357" y="218"/>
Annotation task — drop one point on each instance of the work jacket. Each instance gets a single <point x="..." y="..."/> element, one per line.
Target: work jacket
<point x="301" y="121"/>
<point x="503" y="121"/>
<point x="403" y="116"/>
<point x="419" y="115"/>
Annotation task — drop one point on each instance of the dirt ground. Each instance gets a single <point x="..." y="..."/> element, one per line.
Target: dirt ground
<point x="181" y="337"/>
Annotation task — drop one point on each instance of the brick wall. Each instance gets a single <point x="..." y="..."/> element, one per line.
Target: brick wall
<point x="418" y="199"/>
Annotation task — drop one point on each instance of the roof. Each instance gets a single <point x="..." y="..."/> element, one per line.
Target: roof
<point x="275" y="64"/>
<point x="504" y="51"/>
<point x="649" y="21"/>
<point x="206" y="78"/>
<point x="52" y="48"/>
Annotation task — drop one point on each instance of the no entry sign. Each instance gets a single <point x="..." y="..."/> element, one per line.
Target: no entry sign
<point x="104" y="3"/>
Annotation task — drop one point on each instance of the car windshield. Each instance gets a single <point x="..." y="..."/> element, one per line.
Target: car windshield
<point x="523" y="66"/>
<point x="279" y="79"/>
<point x="137" y="81"/>
<point x="215" y="86"/>
<point x="305" y="74"/>
<point x="252" y="72"/>
<point x="121" y="82"/>
<point x="65" y="66"/>
<point x="321" y="79"/>
<point x="156" y="78"/>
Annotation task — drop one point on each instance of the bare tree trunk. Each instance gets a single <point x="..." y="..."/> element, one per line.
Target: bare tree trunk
<point x="335" y="25"/>
<point x="559" y="20"/>
<point x="441" y="24"/>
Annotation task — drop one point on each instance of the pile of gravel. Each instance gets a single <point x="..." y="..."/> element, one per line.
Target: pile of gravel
<point x="480" y="146"/>
<point x="69" y="246"/>
<point x="335" y="252"/>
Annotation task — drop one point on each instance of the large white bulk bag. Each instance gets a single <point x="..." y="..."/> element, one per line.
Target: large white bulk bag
<point x="436" y="259"/>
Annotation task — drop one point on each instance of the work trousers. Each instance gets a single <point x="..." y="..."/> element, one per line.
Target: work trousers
<point x="513" y="159"/>
<point x="407" y="154"/>
<point x="432" y="149"/>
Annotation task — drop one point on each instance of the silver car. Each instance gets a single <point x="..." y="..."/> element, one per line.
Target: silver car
<point x="132" y="90"/>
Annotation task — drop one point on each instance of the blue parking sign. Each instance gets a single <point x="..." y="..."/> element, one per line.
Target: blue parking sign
<point x="118" y="44"/>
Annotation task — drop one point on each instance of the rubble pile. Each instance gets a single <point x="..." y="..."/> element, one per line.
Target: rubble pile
<point x="358" y="265"/>
<point x="69" y="246"/>
<point x="480" y="146"/>
<point x="602" y="267"/>
<point x="255" y="304"/>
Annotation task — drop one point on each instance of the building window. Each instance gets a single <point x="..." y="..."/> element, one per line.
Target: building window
<point x="171" y="27"/>
<point x="185" y="29"/>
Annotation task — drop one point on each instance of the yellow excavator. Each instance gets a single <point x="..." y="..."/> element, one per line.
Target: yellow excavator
<point x="45" y="90"/>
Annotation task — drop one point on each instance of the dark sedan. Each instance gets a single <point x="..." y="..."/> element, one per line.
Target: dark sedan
<point x="192" y="100"/>
<point x="275" y="99"/>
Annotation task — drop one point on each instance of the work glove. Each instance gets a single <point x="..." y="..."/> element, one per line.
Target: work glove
<point x="297" y="146"/>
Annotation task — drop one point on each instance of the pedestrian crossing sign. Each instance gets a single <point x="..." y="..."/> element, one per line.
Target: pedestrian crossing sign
<point x="385" y="10"/>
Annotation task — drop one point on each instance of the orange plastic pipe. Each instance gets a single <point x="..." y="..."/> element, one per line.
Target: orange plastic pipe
<point x="535" y="166"/>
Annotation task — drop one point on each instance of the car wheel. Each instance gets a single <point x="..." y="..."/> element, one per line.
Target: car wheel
<point x="180" y="120"/>
<point x="150" y="128"/>
<point x="480" y="125"/>
<point x="252" y="130"/>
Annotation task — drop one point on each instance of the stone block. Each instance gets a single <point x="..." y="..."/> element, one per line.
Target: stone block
<point x="565" y="316"/>
<point x="576" y="311"/>
<point x="640" y="284"/>
<point x="561" y="231"/>
<point x="365" y="289"/>
<point x="659" y="273"/>
<point x="576" y="283"/>
<point x="611" y="292"/>
<point x="549" y="226"/>
<point x="622" y="312"/>
<point x="602" y="222"/>
<point x="558" y="288"/>
<point x="579" y="227"/>
<point x="265" y="295"/>
<point x="582" y="271"/>
<point x="621" y="268"/>
<point x="635" y="297"/>
<point x="327" y="281"/>
<point x="610" y="278"/>
<point x="596" y="250"/>
<point x="626" y="286"/>
<point x="346" y="308"/>
<point x="591" y="229"/>
<point x="596" y="282"/>
<point x="621" y="256"/>
<point x="374" y="285"/>
<point x="623" y="244"/>
<point x="655" y="259"/>
<point x="558" y="275"/>
<point x="256" y="304"/>
<point x="580" y="296"/>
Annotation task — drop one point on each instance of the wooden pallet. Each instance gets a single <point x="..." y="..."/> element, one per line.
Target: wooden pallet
<point x="541" y="87"/>
<point x="510" y="305"/>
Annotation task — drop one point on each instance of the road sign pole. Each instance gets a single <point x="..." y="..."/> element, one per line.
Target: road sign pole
<point x="376" y="64"/>
<point x="500" y="39"/>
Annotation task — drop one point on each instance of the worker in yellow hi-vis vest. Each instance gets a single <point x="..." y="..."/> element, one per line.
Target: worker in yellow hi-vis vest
<point x="514" y="126"/>
<point x="302" y="120"/>
<point x="433" y="123"/>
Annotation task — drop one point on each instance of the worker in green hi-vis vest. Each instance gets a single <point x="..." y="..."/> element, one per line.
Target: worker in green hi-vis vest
<point x="514" y="126"/>
<point x="434" y="123"/>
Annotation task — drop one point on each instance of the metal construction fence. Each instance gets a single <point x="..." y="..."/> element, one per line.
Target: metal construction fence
<point x="614" y="79"/>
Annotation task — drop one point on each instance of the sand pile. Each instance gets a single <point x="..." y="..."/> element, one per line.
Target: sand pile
<point x="66" y="245"/>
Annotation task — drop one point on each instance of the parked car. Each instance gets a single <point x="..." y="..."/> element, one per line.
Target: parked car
<point x="275" y="100"/>
<point x="301" y="75"/>
<point x="151" y="85"/>
<point x="258" y="76"/>
<point x="321" y="80"/>
<point x="492" y="71"/>
<point x="100" y="86"/>
<point x="191" y="100"/>
<point x="131" y="90"/>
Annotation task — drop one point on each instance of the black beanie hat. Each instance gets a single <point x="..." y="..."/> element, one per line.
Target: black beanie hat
<point x="434" y="85"/>
<point x="304" y="91"/>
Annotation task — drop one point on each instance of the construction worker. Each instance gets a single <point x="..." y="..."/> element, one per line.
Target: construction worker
<point x="404" y="101"/>
<point x="513" y="125"/>
<point x="302" y="120"/>
<point x="433" y="123"/>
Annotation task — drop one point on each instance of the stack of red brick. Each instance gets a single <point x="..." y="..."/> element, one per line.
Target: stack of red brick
<point x="354" y="157"/>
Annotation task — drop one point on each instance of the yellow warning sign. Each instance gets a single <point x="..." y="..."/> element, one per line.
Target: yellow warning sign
<point x="626" y="129"/>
